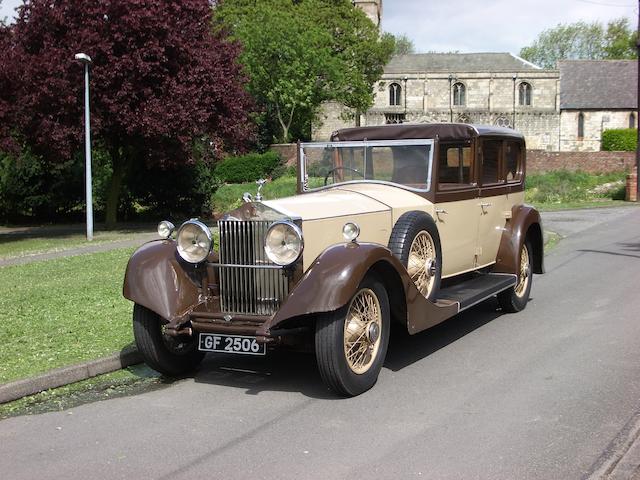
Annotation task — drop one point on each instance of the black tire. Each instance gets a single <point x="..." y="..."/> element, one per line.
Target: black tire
<point x="167" y="355"/>
<point x="331" y="328"/>
<point x="404" y="232"/>
<point x="514" y="299"/>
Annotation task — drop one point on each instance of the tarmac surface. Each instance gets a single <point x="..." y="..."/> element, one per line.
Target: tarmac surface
<point x="550" y="392"/>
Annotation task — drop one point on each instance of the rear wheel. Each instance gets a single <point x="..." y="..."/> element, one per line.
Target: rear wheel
<point x="351" y="343"/>
<point x="515" y="298"/>
<point x="168" y="355"/>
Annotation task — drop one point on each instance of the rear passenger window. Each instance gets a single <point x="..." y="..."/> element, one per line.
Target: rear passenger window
<point x="491" y="161"/>
<point x="454" y="169"/>
<point x="513" y="162"/>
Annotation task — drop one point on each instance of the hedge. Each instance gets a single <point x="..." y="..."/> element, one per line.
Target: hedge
<point x="248" y="168"/>
<point x="620" y="140"/>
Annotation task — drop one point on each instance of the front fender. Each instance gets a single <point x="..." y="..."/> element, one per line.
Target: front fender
<point x="334" y="277"/>
<point x="156" y="280"/>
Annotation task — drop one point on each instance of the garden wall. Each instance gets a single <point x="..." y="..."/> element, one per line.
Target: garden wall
<point x="538" y="161"/>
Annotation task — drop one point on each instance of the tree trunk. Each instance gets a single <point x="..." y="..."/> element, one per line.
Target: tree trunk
<point x="115" y="189"/>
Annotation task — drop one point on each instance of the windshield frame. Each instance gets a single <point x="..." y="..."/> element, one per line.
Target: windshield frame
<point x="303" y="179"/>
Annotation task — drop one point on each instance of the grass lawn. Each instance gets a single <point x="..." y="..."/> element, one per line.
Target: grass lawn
<point x="19" y="247"/>
<point x="128" y="381"/>
<point x="63" y="311"/>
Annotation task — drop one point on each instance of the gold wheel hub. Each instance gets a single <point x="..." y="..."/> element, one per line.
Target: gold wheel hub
<point x="422" y="262"/>
<point x="524" y="273"/>
<point x="362" y="331"/>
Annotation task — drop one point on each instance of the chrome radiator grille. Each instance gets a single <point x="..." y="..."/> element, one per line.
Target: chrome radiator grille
<point x="249" y="282"/>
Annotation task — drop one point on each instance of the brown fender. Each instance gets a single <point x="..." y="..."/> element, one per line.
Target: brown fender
<point x="525" y="223"/>
<point x="156" y="280"/>
<point x="334" y="277"/>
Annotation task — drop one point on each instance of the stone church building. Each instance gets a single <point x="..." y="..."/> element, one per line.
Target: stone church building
<point x="560" y="110"/>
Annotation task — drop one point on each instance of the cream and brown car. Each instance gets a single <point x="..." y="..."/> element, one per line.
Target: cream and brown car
<point x="401" y="223"/>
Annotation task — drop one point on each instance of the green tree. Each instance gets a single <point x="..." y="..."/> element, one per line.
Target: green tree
<point x="404" y="45"/>
<point x="299" y="54"/>
<point x="581" y="40"/>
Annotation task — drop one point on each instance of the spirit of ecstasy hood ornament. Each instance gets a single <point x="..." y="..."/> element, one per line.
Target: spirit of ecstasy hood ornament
<point x="246" y="197"/>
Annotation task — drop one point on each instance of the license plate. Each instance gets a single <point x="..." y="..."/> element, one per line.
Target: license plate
<point x="239" y="344"/>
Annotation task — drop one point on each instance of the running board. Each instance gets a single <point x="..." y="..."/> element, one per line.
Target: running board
<point x="477" y="289"/>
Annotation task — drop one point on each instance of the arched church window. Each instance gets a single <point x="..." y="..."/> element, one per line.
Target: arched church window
<point x="524" y="94"/>
<point x="581" y="125"/>
<point x="395" y="91"/>
<point x="459" y="94"/>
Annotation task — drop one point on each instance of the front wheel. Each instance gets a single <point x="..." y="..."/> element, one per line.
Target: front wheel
<point x="168" y="355"/>
<point x="515" y="298"/>
<point x="351" y="343"/>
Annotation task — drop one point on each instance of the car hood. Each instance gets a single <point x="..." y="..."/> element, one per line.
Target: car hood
<point x="349" y="199"/>
<point x="334" y="202"/>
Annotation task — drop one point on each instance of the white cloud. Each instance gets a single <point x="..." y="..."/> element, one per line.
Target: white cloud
<point x="493" y="25"/>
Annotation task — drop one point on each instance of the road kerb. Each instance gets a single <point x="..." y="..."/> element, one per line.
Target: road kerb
<point x="66" y="375"/>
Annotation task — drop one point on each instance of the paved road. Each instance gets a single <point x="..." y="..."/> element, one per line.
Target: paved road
<point x="550" y="393"/>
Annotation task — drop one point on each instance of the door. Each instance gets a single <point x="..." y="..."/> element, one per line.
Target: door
<point x="501" y="187"/>
<point x="456" y="213"/>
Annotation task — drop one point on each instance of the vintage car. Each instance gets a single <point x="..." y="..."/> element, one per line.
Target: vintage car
<point x="399" y="223"/>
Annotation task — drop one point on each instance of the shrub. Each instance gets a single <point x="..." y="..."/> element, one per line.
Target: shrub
<point x="172" y="192"/>
<point x="248" y="168"/>
<point x="620" y="140"/>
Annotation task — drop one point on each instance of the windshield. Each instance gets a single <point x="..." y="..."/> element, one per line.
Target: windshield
<point x="401" y="162"/>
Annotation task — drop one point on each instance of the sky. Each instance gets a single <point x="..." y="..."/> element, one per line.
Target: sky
<point x="492" y="25"/>
<point x="478" y="26"/>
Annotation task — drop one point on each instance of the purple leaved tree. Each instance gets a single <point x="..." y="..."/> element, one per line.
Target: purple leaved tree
<point x="163" y="84"/>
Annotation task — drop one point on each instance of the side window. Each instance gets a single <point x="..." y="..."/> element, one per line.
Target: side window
<point x="513" y="162"/>
<point x="454" y="169"/>
<point x="491" y="161"/>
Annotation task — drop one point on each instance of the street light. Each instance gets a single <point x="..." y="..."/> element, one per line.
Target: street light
<point x="86" y="60"/>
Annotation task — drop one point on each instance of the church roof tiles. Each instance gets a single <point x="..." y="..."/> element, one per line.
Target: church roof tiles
<point x="598" y="84"/>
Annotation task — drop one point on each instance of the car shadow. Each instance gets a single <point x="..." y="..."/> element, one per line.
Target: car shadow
<point x="279" y="370"/>
<point x="297" y="372"/>
<point x="405" y="349"/>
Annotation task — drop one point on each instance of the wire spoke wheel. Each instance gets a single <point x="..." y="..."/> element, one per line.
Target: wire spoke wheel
<point x="362" y="328"/>
<point x="351" y="342"/>
<point x="421" y="263"/>
<point x="524" y="273"/>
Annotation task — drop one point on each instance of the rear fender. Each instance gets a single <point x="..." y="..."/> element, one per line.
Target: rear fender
<point x="525" y="223"/>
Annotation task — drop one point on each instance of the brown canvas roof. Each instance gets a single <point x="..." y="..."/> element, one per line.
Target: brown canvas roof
<point x="404" y="131"/>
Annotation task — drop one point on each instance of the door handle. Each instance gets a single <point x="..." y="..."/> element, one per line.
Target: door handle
<point x="441" y="211"/>
<point x="483" y="205"/>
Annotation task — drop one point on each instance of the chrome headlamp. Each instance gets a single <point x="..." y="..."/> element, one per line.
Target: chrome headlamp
<point x="283" y="243"/>
<point x="194" y="241"/>
<point x="165" y="229"/>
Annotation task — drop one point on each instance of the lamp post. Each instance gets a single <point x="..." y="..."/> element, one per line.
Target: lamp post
<point x="86" y="60"/>
<point x="450" y="93"/>
<point x="513" y="122"/>
<point x="638" y="112"/>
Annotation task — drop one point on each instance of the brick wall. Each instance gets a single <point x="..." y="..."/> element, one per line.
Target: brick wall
<point x="287" y="152"/>
<point x="593" y="162"/>
<point x="538" y="161"/>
